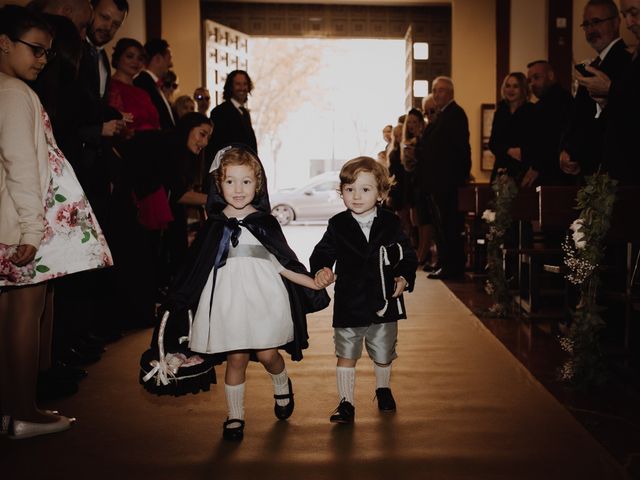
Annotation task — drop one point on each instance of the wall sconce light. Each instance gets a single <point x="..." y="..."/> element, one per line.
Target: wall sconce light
<point x="420" y="88"/>
<point x="420" y="51"/>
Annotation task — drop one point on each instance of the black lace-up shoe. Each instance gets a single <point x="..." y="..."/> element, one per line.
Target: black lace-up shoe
<point x="386" y="403"/>
<point x="283" y="412"/>
<point x="344" y="413"/>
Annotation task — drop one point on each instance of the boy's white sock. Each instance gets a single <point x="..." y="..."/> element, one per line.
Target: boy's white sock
<point x="281" y="386"/>
<point x="346" y="377"/>
<point x="383" y="375"/>
<point x="235" y="402"/>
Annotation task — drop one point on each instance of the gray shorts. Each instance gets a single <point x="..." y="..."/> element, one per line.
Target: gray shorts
<point x="379" y="338"/>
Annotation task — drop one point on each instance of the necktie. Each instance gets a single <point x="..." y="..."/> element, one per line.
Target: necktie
<point x="596" y="62"/>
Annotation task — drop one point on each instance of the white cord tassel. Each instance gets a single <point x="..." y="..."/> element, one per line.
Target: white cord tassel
<point x="384" y="260"/>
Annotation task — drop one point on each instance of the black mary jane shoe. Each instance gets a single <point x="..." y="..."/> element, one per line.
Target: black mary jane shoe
<point x="284" y="412"/>
<point x="233" y="434"/>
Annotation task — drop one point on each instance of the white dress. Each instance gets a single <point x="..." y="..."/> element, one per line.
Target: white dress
<point x="250" y="308"/>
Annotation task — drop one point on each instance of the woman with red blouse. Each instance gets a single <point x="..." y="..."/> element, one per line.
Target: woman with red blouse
<point x="134" y="103"/>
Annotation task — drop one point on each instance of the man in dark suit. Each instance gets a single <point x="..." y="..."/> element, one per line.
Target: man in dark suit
<point x="231" y="119"/>
<point x="550" y="118"/>
<point x="582" y="145"/>
<point x="85" y="299"/>
<point x="621" y="102"/>
<point x="159" y="61"/>
<point x="99" y="122"/>
<point x="444" y="164"/>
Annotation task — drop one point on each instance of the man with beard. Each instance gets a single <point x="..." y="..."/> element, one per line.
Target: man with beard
<point x="583" y="140"/>
<point x="231" y="119"/>
<point x="550" y="117"/>
<point x="81" y="299"/>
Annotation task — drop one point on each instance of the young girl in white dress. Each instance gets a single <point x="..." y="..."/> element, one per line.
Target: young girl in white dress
<point x="251" y="302"/>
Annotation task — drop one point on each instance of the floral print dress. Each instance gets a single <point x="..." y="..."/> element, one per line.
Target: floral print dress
<point x="73" y="241"/>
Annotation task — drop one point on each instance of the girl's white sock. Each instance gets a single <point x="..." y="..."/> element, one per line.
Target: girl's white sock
<point x="346" y="377"/>
<point x="383" y="375"/>
<point x="281" y="386"/>
<point x="235" y="402"/>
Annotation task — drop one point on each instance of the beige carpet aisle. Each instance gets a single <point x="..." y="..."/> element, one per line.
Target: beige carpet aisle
<point x="466" y="410"/>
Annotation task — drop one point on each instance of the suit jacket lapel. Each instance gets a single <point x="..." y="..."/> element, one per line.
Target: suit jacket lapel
<point x="377" y="230"/>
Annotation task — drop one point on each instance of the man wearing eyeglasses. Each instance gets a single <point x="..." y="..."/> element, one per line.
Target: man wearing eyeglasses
<point x="621" y="138"/>
<point x="582" y="152"/>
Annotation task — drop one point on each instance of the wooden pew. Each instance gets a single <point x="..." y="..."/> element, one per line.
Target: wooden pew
<point x="557" y="212"/>
<point x="554" y="213"/>
<point x="473" y="199"/>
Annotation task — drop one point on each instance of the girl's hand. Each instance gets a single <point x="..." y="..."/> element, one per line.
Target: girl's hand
<point x="23" y="255"/>
<point x="401" y="284"/>
<point x="324" y="277"/>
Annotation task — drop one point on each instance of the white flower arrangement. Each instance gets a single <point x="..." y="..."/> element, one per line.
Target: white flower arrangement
<point x="489" y="216"/>
<point x="578" y="234"/>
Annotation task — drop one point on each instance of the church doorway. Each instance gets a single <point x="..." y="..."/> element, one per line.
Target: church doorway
<point x="327" y="78"/>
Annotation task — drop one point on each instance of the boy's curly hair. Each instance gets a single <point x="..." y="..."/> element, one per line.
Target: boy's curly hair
<point x="239" y="156"/>
<point x="353" y="167"/>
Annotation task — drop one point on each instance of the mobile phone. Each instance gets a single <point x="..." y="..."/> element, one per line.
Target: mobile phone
<point x="580" y="67"/>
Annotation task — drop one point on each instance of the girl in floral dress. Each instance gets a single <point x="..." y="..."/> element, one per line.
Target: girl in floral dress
<point x="47" y="227"/>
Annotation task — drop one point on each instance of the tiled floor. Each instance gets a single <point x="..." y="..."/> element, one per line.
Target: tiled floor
<point x="611" y="413"/>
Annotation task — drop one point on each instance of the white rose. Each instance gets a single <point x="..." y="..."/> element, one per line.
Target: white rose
<point x="577" y="237"/>
<point x="489" y="216"/>
<point x="576" y="225"/>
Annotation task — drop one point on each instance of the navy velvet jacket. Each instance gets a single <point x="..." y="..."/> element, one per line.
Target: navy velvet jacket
<point x="357" y="266"/>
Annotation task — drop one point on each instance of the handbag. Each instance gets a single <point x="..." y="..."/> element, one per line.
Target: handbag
<point x="154" y="212"/>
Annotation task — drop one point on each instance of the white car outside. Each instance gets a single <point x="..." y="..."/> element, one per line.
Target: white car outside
<point x="316" y="201"/>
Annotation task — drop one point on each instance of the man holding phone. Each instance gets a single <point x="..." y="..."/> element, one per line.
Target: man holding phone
<point x="581" y="150"/>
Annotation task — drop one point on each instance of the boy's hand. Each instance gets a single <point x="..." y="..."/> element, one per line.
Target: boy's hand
<point x="401" y="284"/>
<point x="324" y="277"/>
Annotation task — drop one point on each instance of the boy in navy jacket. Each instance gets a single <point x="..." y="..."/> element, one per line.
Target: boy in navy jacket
<point x="374" y="264"/>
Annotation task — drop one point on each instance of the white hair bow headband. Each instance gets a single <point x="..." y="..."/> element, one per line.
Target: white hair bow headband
<point x="218" y="158"/>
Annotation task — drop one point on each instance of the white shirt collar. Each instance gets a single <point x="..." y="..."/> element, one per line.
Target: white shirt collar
<point x="236" y="104"/>
<point x="152" y="75"/>
<point x="606" y="49"/>
<point x="99" y="49"/>
<point x="365" y="217"/>
<point x="448" y="103"/>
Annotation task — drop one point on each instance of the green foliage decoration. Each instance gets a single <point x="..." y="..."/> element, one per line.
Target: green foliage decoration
<point x="583" y="253"/>
<point x="499" y="221"/>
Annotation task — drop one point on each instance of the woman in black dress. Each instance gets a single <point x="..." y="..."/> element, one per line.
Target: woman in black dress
<point x="511" y="126"/>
